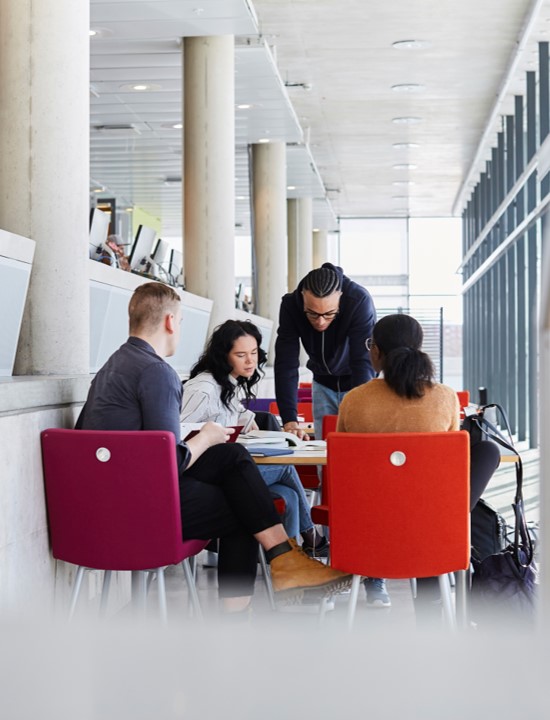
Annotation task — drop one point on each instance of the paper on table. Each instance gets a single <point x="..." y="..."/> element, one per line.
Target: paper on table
<point x="274" y="437"/>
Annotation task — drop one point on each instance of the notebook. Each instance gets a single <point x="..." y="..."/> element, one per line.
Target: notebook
<point x="257" y="451"/>
<point x="235" y="434"/>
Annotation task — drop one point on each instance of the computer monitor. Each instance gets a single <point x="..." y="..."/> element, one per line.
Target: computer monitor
<point x="142" y="247"/>
<point x="99" y="226"/>
<point x="176" y="264"/>
<point x="160" y="253"/>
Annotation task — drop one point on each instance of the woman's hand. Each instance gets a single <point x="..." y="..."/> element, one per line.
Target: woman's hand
<point x="293" y="427"/>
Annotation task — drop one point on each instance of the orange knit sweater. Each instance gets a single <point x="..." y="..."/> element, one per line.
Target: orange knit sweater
<point x="375" y="407"/>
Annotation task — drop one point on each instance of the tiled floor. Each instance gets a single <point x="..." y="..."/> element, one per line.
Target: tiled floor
<point x="399" y="616"/>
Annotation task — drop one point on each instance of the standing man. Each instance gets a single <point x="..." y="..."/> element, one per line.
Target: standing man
<point x="222" y="493"/>
<point x="333" y="317"/>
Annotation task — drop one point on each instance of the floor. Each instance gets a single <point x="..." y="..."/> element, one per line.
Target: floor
<point x="399" y="618"/>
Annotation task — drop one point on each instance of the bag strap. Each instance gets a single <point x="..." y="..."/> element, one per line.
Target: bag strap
<point x="522" y="539"/>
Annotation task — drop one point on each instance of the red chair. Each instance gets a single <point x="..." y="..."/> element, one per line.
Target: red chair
<point x="463" y="400"/>
<point x="305" y="409"/>
<point x="319" y="513"/>
<point x="113" y="503"/>
<point x="399" y="507"/>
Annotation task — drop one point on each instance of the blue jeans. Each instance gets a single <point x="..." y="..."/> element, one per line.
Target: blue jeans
<point x="283" y="480"/>
<point x="325" y="402"/>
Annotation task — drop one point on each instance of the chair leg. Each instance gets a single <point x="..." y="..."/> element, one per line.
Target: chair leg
<point x="414" y="587"/>
<point x="267" y="578"/>
<point x="162" y="594"/>
<point x="461" y="598"/>
<point x="193" y="595"/>
<point x="323" y="607"/>
<point x="139" y="591"/>
<point x="105" y="592"/>
<point x="76" y="590"/>
<point x="353" y="600"/>
<point x="193" y="565"/>
<point x="447" y="601"/>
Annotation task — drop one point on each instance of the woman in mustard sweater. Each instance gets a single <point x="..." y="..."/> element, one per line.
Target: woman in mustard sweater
<point x="407" y="399"/>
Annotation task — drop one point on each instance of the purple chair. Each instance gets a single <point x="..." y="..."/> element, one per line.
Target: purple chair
<point x="259" y="404"/>
<point x="113" y="503"/>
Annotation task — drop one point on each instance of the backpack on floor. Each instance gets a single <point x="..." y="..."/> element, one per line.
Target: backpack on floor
<point x="488" y="531"/>
<point x="504" y="583"/>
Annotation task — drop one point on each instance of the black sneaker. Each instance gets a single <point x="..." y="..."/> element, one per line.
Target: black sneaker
<point x="319" y="551"/>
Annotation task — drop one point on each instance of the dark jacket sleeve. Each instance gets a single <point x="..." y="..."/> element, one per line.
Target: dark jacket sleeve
<point x="364" y="319"/>
<point x="160" y="394"/>
<point x="287" y="362"/>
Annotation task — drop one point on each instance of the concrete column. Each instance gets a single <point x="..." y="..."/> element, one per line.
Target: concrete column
<point x="300" y="228"/>
<point x="320" y="248"/>
<point x="270" y="241"/>
<point x="44" y="180"/>
<point x="209" y="171"/>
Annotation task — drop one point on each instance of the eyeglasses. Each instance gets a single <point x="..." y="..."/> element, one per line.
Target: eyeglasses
<point x="369" y="343"/>
<point x="326" y="316"/>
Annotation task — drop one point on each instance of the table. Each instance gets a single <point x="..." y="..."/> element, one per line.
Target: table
<point x="298" y="457"/>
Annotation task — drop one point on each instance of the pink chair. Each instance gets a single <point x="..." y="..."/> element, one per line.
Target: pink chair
<point x="113" y="503"/>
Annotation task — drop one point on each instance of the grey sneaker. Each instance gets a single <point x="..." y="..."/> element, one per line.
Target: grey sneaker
<point x="377" y="595"/>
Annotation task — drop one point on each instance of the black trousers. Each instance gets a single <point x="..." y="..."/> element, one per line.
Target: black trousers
<point x="224" y="496"/>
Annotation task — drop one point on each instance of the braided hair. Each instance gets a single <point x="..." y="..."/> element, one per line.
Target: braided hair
<point x="407" y="370"/>
<point x="322" y="281"/>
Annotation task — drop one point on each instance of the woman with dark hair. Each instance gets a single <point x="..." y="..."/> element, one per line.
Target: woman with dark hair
<point x="225" y="375"/>
<point x="407" y="399"/>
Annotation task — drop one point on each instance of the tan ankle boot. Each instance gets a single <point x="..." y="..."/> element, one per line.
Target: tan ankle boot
<point x="293" y="572"/>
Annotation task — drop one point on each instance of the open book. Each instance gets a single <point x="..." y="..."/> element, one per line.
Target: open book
<point x="278" y="439"/>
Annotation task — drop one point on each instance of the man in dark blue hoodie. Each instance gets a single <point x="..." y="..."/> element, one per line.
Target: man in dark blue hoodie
<point x="333" y="317"/>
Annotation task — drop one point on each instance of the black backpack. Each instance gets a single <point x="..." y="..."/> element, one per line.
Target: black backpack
<point x="488" y="531"/>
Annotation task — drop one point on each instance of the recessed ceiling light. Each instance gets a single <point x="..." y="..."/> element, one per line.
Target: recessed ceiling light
<point x="129" y="209"/>
<point x="291" y="187"/>
<point x="408" y="88"/>
<point x="405" y="166"/>
<point x="242" y="197"/>
<point x="98" y="189"/>
<point x="411" y="44"/>
<point x="315" y="229"/>
<point x="244" y="106"/>
<point x="100" y="32"/>
<point x="140" y="87"/>
<point x="263" y="140"/>
<point x="406" y="120"/>
<point x="177" y="126"/>
<point x="405" y="145"/>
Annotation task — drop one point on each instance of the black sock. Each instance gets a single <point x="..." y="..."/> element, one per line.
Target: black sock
<point x="277" y="550"/>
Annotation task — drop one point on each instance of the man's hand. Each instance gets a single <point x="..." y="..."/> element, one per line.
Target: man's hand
<point x="214" y="433"/>
<point x="292" y="427"/>
<point x="211" y="433"/>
